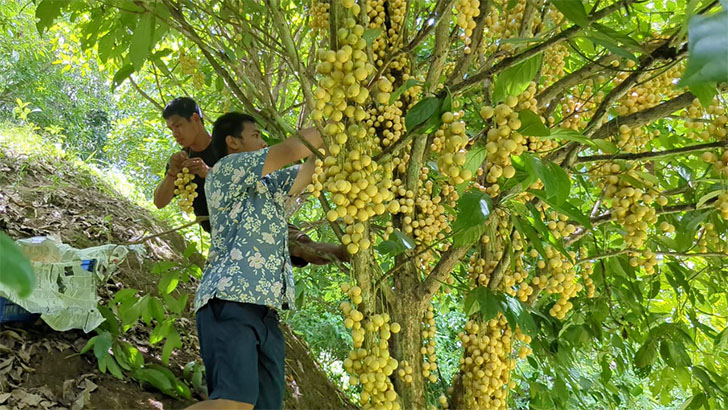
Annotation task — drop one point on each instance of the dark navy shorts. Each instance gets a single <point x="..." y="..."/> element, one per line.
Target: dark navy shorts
<point x="243" y="350"/>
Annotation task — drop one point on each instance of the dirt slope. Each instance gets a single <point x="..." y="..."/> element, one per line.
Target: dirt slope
<point x="40" y="368"/>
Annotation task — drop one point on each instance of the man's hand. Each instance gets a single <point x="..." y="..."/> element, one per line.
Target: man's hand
<point x="196" y="166"/>
<point x="176" y="163"/>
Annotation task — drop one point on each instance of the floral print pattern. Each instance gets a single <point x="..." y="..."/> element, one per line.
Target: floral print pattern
<point x="248" y="259"/>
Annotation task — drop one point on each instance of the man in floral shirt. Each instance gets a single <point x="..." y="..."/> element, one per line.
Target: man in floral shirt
<point x="248" y="275"/>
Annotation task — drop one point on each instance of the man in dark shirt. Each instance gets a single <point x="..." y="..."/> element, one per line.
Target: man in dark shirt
<point x="184" y="118"/>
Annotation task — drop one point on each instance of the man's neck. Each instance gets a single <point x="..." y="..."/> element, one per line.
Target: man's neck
<point x="202" y="141"/>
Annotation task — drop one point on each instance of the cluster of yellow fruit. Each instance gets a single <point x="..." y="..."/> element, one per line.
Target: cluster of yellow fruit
<point x="189" y="66"/>
<point x="634" y="208"/>
<point x="320" y="16"/>
<point x="587" y="269"/>
<point x="503" y="140"/>
<point x="384" y="45"/>
<point x="554" y="64"/>
<point x="370" y="366"/>
<point x="720" y="163"/>
<point x="386" y="117"/>
<point x="651" y="92"/>
<point x="701" y="128"/>
<point x="405" y="372"/>
<point x="717" y="126"/>
<point x="556" y="275"/>
<point x="710" y="240"/>
<point x="359" y="188"/>
<point x="452" y="149"/>
<point x="429" y="366"/>
<point x="634" y="139"/>
<point x="721" y="204"/>
<point x="480" y="269"/>
<point x="486" y="363"/>
<point x="467" y="11"/>
<point x="514" y="280"/>
<point x="559" y="225"/>
<point x="576" y="106"/>
<point x="501" y="22"/>
<point x="185" y="190"/>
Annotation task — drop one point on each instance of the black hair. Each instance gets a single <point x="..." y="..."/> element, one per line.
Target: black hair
<point x="184" y="107"/>
<point x="230" y="123"/>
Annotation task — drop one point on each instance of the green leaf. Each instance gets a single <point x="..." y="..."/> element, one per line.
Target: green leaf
<point x="160" y="331"/>
<point x="401" y="89"/>
<point x="15" y="268"/>
<point x="173" y="341"/>
<point x="397" y="243"/>
<point x="646" y="355"/>
<point x="517" y="314"/>
<point x="721" y="341"/>
<point x="572" y="10"/>
<point x="370" y="35"/>
<point x="469" y="236"/>
<point x="565" y="208"/>
<point x="674" y="354"/>
<point x="707" y="197"/>
<point x="111" y="324"/>
<point x="611" y="45"/>
<point x="112" y="366"/>
<point x="168" y="282"/>
<point x="156" y="309"/>
<point x="155" y="378"/>
<point x="556" y="182"/>
<point x="421" y="112"/>
<point x="531" y="124"/>
<point x="604" y="145"/>
<point x="707" y="50"/>
<point x="625" y="39"/>
<point x="514" y="80"/>
<point x="526" y="230"/>
<point x="474" y="158"/>
<point x="87" y="347"/>
<point x="142" y="40"/>
<point x="124" y="294"/>
<point x="705" y="92"/>
<point x="47" y="11"/>
<point x="473" y="208"/>
<point x="101" y="345"/>
<point x="176" y="305"/>
<point x="121" y="75"/>
<point x="163" y="266"/>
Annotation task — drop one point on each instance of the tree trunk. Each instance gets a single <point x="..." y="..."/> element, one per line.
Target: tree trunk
<point x="408" y="311"/>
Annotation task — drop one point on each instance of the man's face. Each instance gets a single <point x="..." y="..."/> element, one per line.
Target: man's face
<point x="183" y="130"/>
<point x="252" y="139"/>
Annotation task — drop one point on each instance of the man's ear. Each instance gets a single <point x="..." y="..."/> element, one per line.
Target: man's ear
<point x="231" y="143"/>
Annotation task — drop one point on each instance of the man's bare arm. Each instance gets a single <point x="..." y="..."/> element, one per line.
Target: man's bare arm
<point x="305" y="174"/>
<point x="291" y="150"/>
<point x="165" y="190"/>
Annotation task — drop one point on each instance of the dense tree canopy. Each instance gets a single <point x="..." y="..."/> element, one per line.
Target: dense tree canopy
<point x="535" y="202"/>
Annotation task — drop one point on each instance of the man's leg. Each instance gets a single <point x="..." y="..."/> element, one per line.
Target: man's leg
<point x="229" y="336"/>
<point x="271" y="365"/>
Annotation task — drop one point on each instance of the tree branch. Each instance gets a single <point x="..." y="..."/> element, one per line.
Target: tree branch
<point x="652" y="154"/>
<point x="157" y="105"/>
<point x="511" y="61"/>
<point x="444" y="267"/>
<point x="577" y="77"/>
<point x="673" y="254"/>
<point x="664" y="51"/>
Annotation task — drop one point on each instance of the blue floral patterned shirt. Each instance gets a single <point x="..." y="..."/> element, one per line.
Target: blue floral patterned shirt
<point x="248" y="259"/>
